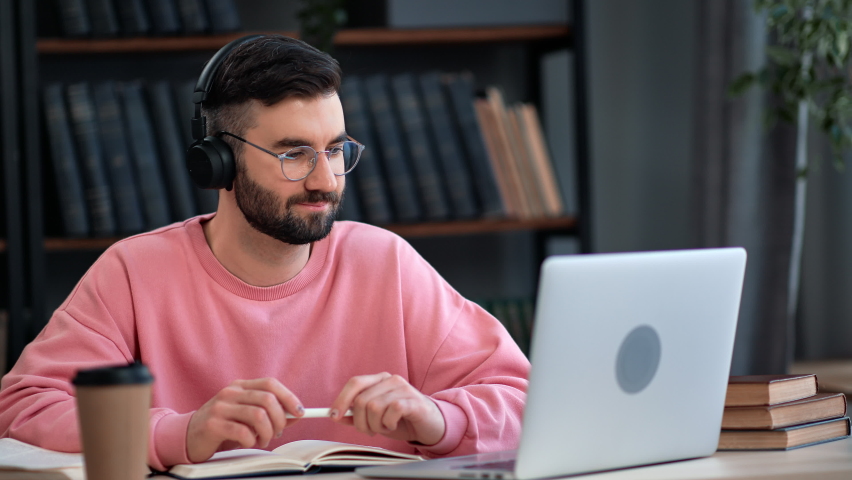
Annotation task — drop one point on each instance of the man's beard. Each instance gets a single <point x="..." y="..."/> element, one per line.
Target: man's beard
<point x="263" y="211"/>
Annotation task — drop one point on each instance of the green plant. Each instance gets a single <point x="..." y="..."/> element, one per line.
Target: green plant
<point x="807" y="71"/>
<point x="319" y="21"/>
<point x="808" y="62"/>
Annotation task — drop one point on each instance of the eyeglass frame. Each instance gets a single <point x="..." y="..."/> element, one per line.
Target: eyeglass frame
<point x="280" y="158"/>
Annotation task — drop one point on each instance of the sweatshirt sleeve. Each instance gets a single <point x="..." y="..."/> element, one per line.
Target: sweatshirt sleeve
<point x="94" y="327"/>
<point x="465" y="360"/>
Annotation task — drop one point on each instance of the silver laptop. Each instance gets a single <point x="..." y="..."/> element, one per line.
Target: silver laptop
<point x="630" y="361"/>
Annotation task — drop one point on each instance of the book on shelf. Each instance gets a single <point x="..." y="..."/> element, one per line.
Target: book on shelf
<point x="69" y="184"/>
<point x="103" y="18"/>
<point x="97" y="190"/>
<point x="165" y="19"/>
<point x="522" y="158"/>
<point x="293" y="457"/>
<point x="207" y="200"/>
<point x="460" y="88"/>
<point x="822" y="406"/>
<point x="224" y="16"/>
<point x="448" y="149"/>
<point x="74" y="18"/>
<point x="400" y="180"/>
<point x="133" y="17"/>
<point x="193" y="16"/>
<point x="145" y="157"/>
<point x="172" y="150"/>
<point x="495" y="148"/>
<point x="785" y="438"/>
<point x="427" y="176"/>
<point x="125" y="194"/>
<point x="542" y="166"/>
<point x="768" y="389"/>
<point x="367" y="176"/>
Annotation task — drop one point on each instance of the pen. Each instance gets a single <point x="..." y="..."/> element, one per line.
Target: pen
<point x="318" y="413"/>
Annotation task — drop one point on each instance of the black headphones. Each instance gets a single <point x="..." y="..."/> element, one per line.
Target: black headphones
<point x="209" y="159"/>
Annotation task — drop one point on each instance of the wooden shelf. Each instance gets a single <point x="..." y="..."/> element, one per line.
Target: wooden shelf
<point x="474" y="227"/>
<point x="417" y="230"/>
<point x="349" y="37"/>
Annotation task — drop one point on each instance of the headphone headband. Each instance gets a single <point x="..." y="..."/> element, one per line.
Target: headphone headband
<point x="205" y="82"/>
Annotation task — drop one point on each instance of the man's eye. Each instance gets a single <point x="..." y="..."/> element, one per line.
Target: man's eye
<point x="296" y="155"/>
<point x="335" y="150"/>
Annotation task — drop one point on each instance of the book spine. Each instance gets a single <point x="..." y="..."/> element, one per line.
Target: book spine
<point x="460" y="90"/>
<point x="399" y="175"/>
<point x="133" y="17"/>
<point x="75" y="18"/>
<point x="117" y="159"/>
<point x="521" y="156"/>
<point x="103" y="18"/>
<point x="171" y="150"/>
<point x="534" y="135"/>
<point x="97" y="190"/>
<point x="207" y="200"/>
<point x="145" y="161"/>
<point x="367" y="175"/>
<point x="427" y="175"/>
<point x="165" y="19"/>
<point x="507" y="153"/>
<point x="448" y="145"/>
<point x="69" y="185"/>
<point x="224" y="16"/>
<point x="193" y="16"/>
<point x="488" y="120"/>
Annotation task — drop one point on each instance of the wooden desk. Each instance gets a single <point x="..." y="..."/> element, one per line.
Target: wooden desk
<point x="829" y="461"/>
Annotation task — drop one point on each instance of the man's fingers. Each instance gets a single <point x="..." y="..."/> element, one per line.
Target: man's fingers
<point x="287" y="399"/>
<point x="354" y="387"/>
<point x="252" y="417"/>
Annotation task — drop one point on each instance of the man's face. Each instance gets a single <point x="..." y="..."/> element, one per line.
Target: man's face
<point x="294" y="212"/>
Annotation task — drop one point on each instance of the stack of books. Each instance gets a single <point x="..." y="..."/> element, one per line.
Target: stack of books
<point x="780" y="412"/>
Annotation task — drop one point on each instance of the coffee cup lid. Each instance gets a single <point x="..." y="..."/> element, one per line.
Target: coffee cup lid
<point x="134" y="373"/>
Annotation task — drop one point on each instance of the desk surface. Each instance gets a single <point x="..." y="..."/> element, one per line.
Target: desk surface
<point x="831" y="461"/>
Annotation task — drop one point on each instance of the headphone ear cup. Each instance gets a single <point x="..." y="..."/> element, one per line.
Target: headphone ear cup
<point x="211" y="164"/>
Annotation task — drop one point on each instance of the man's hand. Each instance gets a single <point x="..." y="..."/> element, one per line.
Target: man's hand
<point x="246" y="413"/>
<point x="388" y="405"/>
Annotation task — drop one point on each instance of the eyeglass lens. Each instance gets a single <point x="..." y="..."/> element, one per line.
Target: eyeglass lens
<point x="298" y="162"/>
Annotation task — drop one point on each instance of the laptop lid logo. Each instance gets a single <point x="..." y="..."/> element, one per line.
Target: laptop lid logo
<point x="638" y="359"/>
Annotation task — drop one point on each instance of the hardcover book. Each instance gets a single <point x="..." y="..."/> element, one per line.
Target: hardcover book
<point x="448" y="147"/>
<point x="400" y="179"/>
<point x="69" y="183"/>
<point x="172" y="151"/>
<point x="460" y="89"/>
<point x="144" y="154"/>
<point x="769" y="389"/>
<point x="367" y="176"/>
<point x="426" y="172"/>
<point x="293" y="457"/>
<point x="785" y="438"/>
<point x="126" y="202"/>
<point x="97" y="190"/>
<point x="821" y="406"/>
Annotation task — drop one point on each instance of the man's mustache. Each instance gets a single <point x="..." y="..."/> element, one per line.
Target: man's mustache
<point x="314" y="196"/>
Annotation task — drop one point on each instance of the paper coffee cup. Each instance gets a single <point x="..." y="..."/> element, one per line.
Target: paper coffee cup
<point x="112" y="408"/>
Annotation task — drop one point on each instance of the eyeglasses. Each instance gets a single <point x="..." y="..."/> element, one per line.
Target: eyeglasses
<point x="298" y="162"/>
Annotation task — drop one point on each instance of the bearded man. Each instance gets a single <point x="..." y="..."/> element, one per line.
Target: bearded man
<point x="249" y="315"/>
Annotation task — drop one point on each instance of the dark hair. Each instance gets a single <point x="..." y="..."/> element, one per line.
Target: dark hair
<point x="268" y="70"/>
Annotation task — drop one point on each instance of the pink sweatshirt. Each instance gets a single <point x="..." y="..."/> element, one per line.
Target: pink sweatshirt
<point x="365" y="303"/>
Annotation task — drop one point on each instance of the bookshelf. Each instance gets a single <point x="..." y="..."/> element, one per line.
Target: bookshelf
<point x="51" y="58"/>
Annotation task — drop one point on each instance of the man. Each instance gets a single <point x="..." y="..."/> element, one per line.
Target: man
<point x="268" y="306"/>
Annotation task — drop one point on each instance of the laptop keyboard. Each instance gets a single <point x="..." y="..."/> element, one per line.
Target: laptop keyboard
<point x="504" y="465"/>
